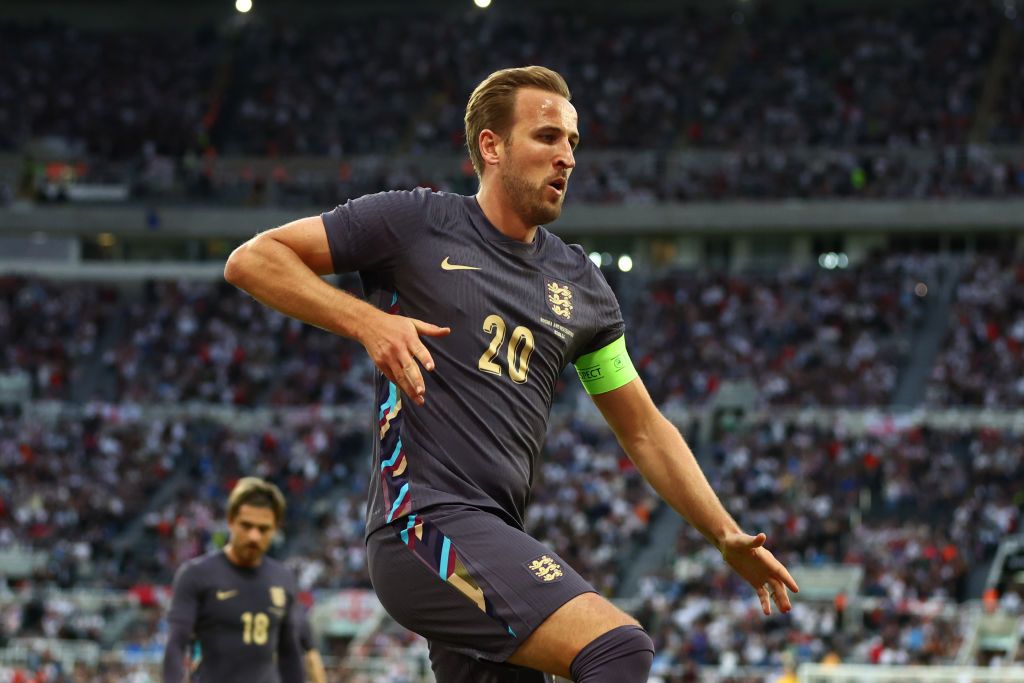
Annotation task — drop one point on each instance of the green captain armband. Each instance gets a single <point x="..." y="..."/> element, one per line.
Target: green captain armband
<point x="606" y="369"/>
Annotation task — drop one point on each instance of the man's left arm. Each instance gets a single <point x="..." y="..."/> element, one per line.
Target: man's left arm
<point x="661" y="454"/>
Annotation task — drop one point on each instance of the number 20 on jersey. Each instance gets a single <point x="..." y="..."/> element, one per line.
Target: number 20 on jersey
<point x="520" y="348"/>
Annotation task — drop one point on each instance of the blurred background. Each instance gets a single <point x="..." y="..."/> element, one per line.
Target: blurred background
<point x="811" y="214"/>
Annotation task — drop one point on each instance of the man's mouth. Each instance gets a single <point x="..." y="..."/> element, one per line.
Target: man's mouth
<point x="558" y="184"/>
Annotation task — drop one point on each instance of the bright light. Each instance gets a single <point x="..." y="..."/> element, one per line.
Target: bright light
<point x="243" y="6"/>
<point x="482" y="4"/>
<point x="625" y="263"/>
<point x="596" y="258"/>
<point x="832" y="260"/>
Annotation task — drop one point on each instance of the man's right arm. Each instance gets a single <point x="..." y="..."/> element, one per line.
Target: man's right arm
<point x="181" y="620"/>
<point x="281" y="268"/>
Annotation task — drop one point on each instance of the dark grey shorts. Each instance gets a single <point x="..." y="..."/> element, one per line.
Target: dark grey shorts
<point x="472" y="585"/>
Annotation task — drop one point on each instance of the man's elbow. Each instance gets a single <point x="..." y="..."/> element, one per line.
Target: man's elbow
<point x="239" y="265"/>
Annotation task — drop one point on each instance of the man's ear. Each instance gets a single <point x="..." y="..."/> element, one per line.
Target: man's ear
<point x="492" y="147"/>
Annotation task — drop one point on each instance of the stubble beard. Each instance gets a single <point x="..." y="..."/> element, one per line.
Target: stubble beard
<point x="527" y="200"/>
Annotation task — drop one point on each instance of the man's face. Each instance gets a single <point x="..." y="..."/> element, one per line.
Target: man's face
<point x="539" y="155"/>
<point x="252" y="530"/>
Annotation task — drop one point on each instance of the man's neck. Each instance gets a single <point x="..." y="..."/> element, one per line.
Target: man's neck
<point x="233" y="559"/>
<point x="495" y="206"/>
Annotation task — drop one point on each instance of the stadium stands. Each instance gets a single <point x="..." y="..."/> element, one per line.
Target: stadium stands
<point x="128" y="408"/>
<point x="981" y="362"/>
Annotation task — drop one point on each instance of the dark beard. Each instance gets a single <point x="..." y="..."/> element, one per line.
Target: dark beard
<point x="526" y="202"/>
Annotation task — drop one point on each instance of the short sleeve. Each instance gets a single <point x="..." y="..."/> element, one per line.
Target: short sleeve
<point x="185" y="597"/>
<point x="609" y="325"/>
<point x="370" y="233"/>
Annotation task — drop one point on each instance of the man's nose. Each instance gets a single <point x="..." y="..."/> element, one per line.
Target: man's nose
<point x="566" y="159"/>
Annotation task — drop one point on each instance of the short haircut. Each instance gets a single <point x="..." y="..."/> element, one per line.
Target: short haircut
<point x="493" y="102"/>
<point x="257" y="493"/>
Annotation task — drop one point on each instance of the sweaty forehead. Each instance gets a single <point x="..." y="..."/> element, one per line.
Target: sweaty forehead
<point x="538" y="107"/>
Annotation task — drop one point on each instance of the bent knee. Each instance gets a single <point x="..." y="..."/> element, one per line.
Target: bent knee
<point x="622" y="655"/>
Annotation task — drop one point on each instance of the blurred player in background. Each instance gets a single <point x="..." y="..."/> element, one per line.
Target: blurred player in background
<point x="447" y="553"/>
<point x="237" y="604"/>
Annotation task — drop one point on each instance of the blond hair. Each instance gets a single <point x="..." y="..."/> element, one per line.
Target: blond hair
<point x="492" y="104"/>
<point x="258" y="493"/>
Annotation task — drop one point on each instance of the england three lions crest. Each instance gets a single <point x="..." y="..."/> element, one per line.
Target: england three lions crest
<point x="545" y="569"/>
<point x="559" y="299"/>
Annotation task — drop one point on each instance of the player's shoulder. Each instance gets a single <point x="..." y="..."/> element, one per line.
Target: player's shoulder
<point x="205" y="561"/>
<point x="444" y="208"/>
<point x="278" y="571"/>
<point x="439" y="209"/>
<point x="200" y="567"/>
<point x="569" y="259"/>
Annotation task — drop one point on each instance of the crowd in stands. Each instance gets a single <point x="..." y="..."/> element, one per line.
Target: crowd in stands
<point x="50" y="332"/>
<point x="805" y="337"/>
<point x="915" y="508"/>
<point x="72" y="485"/>
<point x="215" y="344"/>
<point x="940" y="502"/>
<point x="778" y="173"/>
<point x="802" y="336"/>
<point x="982" y="361"/>
<point x="697" y="630"/>
<point x="104" y="95"/>
<point x="170" y="103"/>
<point x="755" y="174"/>
<point x="381" y="83"/>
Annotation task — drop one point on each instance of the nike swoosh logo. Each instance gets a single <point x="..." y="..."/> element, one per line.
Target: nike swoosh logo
<point x="226" y="595"/>
<point x="451" y="266"/>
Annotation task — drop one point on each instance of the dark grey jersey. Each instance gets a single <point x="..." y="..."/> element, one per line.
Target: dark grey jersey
<point x="238" y="616"/>
<point x="519" y="313"/>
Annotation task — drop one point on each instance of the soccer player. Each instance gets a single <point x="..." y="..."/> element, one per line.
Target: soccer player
<point x="447" y="553"/>
<point x="236" y="603"/>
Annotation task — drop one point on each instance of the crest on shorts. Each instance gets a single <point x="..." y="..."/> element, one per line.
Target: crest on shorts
<point x="559" y="299"/>
<point x="278" y="596"/>
<point x="545" y="569"/>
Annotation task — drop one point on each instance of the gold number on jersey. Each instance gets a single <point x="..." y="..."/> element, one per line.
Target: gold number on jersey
<point x="493" y="324"/>
<point x="520" y="348"/>
<point x="254" y="628"/>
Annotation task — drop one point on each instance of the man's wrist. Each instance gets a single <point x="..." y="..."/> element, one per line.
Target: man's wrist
<point x="355" y="321"/>
<point x="720" y="535"/>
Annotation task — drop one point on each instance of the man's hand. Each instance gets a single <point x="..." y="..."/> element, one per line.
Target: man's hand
<point x="755" y="563"/>
<point x="393" y="342"/>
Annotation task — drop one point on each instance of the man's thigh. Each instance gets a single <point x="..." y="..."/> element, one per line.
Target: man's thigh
<point x="468" y="582"/>
<point x="555" y="643"/>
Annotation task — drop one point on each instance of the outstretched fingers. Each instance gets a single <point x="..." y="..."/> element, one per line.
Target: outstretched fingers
<point x="429" y="330"/>
<point x="769" y="577"/>
<point x="401" y="362"/>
